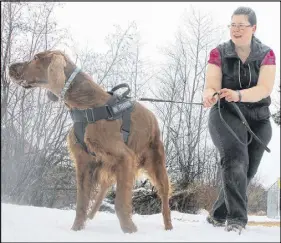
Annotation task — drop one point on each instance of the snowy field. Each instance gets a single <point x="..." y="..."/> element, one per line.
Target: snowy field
<point x="26" y="223"/>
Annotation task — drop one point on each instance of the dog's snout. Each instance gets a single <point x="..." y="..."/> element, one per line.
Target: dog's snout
<point x="14" y="67"/>
<point x="15" y="70"/>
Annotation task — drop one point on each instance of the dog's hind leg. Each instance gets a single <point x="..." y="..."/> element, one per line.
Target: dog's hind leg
<point x="155" y="167"/>
<point x="100" y="195"/>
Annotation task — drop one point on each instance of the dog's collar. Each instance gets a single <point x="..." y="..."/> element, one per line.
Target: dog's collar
<point x="69" y="81"/>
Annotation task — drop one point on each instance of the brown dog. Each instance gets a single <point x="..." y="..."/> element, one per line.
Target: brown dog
<point x="115" y="162"/>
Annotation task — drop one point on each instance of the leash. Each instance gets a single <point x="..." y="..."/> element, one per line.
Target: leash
<point x="244" y="121"/>
<point x="170" y="101"/>
<point x="241" y="116"/>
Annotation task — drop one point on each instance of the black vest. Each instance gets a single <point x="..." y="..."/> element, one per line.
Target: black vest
<point x="234" y="70"/>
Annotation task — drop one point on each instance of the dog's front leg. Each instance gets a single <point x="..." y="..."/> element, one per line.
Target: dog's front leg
<point x="123" y="200"/>
<point x="83" y="177"/>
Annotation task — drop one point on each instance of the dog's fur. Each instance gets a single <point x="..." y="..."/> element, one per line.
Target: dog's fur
<point x="115" y="162"/>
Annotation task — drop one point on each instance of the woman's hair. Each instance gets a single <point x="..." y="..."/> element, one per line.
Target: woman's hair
<point x="246" y="11"/>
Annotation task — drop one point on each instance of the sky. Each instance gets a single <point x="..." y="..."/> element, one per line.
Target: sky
<point x="38" y="224"/>
<point x="90" y="22"/>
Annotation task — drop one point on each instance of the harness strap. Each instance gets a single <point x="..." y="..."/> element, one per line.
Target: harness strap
<point x="90" y="115"/>
<point x="110" y="111"/>
<point x="79" y="130"/>
<point x="126" y="118"/>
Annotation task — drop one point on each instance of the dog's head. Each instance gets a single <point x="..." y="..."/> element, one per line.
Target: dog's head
<point x="46" y="70"/>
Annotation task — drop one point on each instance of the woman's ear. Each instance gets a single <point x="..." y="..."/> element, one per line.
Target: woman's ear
<point x="254" y="29"/>
<point x="52" y="96"/>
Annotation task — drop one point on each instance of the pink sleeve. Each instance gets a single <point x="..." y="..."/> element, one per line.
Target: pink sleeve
<point x="215" y="57"/>
<point x="269" y="59"/>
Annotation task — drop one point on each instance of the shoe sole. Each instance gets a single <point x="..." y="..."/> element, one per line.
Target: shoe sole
<point x="235" y="228"/>
<point x="215" y="223"/>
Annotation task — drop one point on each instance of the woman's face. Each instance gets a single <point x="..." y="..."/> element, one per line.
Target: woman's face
<point x="241" y="31"/>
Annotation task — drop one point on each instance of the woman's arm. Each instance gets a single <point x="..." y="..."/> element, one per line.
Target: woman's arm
<point x="212" y="85"/>
<point x="264" y="86"/>
<point x="213" y="78"/>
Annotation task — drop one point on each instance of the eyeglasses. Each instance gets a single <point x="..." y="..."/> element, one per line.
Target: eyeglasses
<point x="238" y="26"/>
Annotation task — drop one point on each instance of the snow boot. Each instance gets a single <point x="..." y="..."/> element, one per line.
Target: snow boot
<point x="215" y="222"/>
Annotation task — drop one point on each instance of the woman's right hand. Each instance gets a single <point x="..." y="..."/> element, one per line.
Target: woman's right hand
<point x="208" y="98"/>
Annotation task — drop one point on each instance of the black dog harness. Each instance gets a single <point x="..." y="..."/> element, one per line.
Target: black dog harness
<point x="117" y="107"/>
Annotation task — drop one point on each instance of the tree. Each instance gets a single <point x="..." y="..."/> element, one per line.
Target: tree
<point x="120" y="63"/>
<point x="182" y="79"/>
<point x="33" y="141"/>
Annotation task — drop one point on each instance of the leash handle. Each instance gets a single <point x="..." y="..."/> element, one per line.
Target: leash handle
<point x="248" y="127"/>
<point x="230" y="129"/>
<point x="244" y="121"/>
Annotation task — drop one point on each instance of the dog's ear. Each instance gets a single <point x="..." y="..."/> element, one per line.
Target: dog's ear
<point x="52" y="96"/>
<point x="56" y="76"/>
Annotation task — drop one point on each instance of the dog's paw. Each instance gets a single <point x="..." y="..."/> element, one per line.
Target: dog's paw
<point x="129" y="228"/>
<point x="90" y="215"/>
<point x="77" y="226"/>
<point x="169" y="226"/>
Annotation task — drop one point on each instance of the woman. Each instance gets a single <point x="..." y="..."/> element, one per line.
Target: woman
<point x="241" y="70"/>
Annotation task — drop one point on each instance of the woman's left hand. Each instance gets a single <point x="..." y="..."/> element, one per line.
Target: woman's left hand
<point x="229" y="95"/>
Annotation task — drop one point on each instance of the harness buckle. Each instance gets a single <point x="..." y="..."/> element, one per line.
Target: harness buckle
<point x="87" y="116"/>
<point x="111" y="113"/>
<point x="93" y="115"/>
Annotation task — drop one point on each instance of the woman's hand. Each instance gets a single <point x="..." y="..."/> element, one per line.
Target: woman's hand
<point x="208" y="98"/>
<point x="229" y="95"/>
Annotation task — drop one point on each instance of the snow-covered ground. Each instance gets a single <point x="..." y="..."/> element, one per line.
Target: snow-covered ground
<point x="26" y="223"/>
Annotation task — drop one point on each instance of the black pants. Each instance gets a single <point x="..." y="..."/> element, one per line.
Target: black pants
<point x="239" y="163"/>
